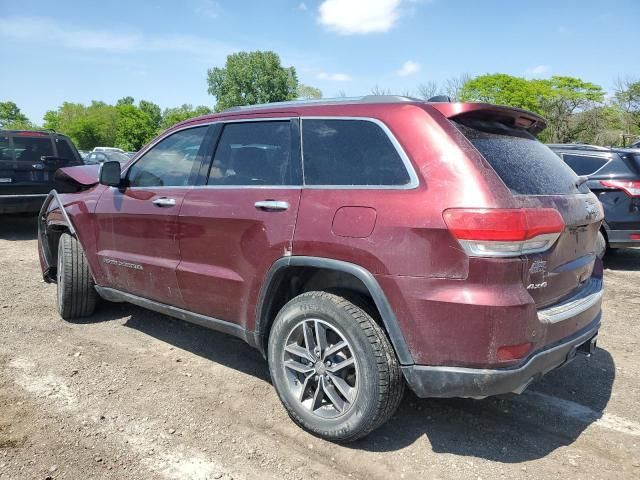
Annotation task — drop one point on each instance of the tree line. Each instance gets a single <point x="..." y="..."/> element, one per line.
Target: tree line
<point x="576" y="110"/>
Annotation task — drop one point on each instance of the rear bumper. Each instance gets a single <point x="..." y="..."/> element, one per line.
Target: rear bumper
<point x="428" y="381"/>
<point x="622" y="238"/>
<point x="28" y="203"/>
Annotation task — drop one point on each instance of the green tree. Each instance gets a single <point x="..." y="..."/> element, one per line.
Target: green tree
<point x="88" y="127"/>
<point x="502" y="89"/>
<point x="12" y="118"/>
<point x="308" y="93"/>
<point x="133" y="127"/>
<point x="560" y="99"/>
<point x="627" y="99"/>
<point x="171" y="116"/>
<point x="249" y="78"/>
<point x="125" y="101"/>
<point x="153" y="111"/>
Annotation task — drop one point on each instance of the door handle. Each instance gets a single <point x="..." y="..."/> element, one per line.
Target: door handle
<point x="271" y="205"/>
<point x="164" y="202"/>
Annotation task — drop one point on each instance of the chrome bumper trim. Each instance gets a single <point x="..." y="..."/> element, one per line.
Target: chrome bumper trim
<point x="587" y="297"/>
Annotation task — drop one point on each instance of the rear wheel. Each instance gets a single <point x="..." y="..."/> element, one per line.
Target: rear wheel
<point x="76" y="293"/>
<point x="333" y="367"/>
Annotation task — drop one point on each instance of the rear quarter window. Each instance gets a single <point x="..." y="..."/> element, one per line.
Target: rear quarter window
<point x="525" y="165"/>
<point x="350" y="153"/>
<point x="66" y="151"/>
<point x="5" y="149"/>
<point x="584" y="164"/>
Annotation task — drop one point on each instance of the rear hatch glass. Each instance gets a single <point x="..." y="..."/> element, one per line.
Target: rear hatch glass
<point x="525" y="165"/>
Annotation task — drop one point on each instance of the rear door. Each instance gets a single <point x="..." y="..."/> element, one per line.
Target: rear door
<point x="26" y="166"/>
<point x="241" y="220"/>
<point x="137" y="237"/>
<point x="538" y="178"/>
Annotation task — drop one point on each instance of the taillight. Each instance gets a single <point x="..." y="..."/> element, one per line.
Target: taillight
<point x="630" y="187"/>
<point x="485" y="232"/>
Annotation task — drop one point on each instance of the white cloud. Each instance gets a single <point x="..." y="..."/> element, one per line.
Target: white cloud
<point x="408" y="68"/>
<point x="335" y="77"/>
<point x="43" y="31"/>
<point x="538" y="70"/>
<point x="348" y="17"/>
<point x="208" y="8"/>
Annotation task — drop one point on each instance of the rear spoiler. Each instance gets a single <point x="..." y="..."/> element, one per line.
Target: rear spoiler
<point x="517" y="117"/>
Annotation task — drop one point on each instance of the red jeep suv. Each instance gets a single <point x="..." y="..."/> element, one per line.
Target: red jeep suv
<point x="360" y="244"/>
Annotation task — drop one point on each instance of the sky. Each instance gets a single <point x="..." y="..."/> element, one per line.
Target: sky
<point x="79" y="51"/>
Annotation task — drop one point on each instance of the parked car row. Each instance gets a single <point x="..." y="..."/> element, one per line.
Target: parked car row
<point x="29" y="160"/>
<point x="613" y="174"/>
<point x="362" y="245"/>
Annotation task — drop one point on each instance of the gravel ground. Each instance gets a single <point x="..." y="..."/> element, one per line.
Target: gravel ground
<point x="130" y="394"/>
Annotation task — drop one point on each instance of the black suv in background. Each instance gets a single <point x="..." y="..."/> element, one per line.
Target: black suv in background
<point x="28" y="162"/>
<point x="614" y="176"/>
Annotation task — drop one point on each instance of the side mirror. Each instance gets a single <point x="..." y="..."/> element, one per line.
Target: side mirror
<point x="110" y="174"/>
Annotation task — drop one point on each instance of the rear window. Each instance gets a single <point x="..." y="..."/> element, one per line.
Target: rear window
<point x="31" y="149"/>
<point x="525" y="165"/>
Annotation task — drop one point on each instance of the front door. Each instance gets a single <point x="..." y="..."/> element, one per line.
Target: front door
<point x="137" y="240"/>
<point x="233" y="228"/>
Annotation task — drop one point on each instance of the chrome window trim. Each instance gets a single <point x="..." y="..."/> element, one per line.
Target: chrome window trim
<point x="413" y="177"/>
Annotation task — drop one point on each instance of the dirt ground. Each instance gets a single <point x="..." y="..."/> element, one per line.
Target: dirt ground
<point x="130" y="394"/>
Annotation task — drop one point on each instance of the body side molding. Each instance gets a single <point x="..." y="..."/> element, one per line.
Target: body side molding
<point x="366" y="277"/>
<point x="223" y="326"/>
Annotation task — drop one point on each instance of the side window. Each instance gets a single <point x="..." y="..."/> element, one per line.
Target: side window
<point x="584" y="164"/>
<point x="5" y="149"/>
<point x="253" y="153"/>
<point x="170" y="162"/>
<point x="31" y="149"/>
<point x="65" y="150"/>
<point x="350" y="152"/>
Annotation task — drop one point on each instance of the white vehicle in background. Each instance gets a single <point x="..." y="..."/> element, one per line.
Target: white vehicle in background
<point x="108" y="149"/>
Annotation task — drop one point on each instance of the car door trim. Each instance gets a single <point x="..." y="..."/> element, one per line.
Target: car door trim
<point x="223" y="326"/>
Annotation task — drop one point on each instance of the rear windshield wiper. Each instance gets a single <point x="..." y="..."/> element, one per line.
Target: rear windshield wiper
<point x="581" y="179"/>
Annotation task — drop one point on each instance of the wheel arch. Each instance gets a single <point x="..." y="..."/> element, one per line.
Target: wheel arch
<point x="49" y="232"/>
<point x="284" y="281"/>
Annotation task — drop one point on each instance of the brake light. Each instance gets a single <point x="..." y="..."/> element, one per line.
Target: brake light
<point x="630" y="187"/>
<point x="484" y="232"/>
<point x="31" y="134"/>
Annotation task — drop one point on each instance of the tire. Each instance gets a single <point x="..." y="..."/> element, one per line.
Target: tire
<point x="601" y="246"/>
<point x="339" y="394"/>
<point x="76" y="293"/>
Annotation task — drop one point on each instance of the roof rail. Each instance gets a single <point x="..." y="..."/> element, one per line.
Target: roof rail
<point x="329" y="101"/>
<point x="51" y="130"/>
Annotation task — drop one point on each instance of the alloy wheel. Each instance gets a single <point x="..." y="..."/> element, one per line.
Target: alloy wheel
<point x="321" y="371"/>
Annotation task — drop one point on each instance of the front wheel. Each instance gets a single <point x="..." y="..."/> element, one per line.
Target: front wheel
<point x="76" y="291"/>
<point x="333" y="367"/>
